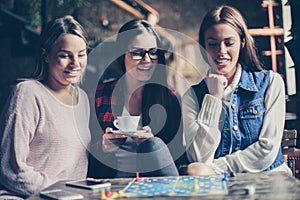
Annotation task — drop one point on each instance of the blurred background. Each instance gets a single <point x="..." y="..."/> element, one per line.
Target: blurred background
<point x="271" y="22"/>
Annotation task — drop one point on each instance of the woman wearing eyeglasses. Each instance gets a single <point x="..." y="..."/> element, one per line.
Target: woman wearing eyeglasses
<point x="142" y="90"/>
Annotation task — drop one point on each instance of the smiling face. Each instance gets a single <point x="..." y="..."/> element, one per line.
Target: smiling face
<point x="141" y="70"/>
<point x="67" y="60"/>
<point x="222" y="44"/>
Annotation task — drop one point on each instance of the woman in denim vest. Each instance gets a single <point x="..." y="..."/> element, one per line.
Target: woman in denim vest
<point x="234" y="118"/>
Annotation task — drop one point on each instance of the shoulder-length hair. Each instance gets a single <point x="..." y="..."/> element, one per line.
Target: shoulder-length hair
<point x="231" y="16"/>
<point x="49" y="36"/>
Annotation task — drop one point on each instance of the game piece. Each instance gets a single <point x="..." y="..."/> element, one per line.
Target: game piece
<point x="108" y="193"/>
<point x="137" y="176"/>
<point x="196" y="186"/>
<point x="143" y="179"/>
<point x="225" y="177"/>
<point x="103" y="195"/>
<point x="113" y="195"/>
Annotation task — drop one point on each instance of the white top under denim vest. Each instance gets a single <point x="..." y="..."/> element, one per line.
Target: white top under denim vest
<point x="242" y="132"/>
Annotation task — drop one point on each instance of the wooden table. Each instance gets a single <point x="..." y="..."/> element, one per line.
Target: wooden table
<point x="267" y="186"/>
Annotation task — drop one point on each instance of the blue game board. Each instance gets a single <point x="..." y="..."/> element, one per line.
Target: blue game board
<point x="176" y="186"/>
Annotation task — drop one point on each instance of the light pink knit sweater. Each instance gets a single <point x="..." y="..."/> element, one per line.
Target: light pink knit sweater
<point x="42" y="140"/>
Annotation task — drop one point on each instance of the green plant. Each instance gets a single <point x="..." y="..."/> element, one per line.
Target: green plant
<point x="36" y="20"/>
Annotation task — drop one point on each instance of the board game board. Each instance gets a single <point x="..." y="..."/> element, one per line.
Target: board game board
<point x="176" y="186"/>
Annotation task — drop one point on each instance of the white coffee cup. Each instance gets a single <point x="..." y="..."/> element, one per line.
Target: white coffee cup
<point x="127" y="123"/>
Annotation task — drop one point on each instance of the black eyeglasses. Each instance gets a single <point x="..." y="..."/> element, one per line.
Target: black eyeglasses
<point x="139" y="54"/>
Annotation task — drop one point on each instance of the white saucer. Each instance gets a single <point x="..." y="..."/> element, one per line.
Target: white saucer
<point x="128" y="133"/>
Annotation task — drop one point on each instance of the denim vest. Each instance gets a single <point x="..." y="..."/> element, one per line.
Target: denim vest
<point x="242" y="123"/>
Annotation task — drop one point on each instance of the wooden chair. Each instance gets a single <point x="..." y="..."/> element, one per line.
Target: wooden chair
<point x="293" y="162"/>
<point x="290" y="153"/>
<point x="289" y="140"/>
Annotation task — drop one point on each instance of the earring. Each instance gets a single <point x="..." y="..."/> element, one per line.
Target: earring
<point x="242" y="44"/>
<point x="45" y="55"/>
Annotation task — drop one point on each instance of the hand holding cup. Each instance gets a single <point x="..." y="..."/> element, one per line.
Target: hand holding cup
<point x="110" y="141"/>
